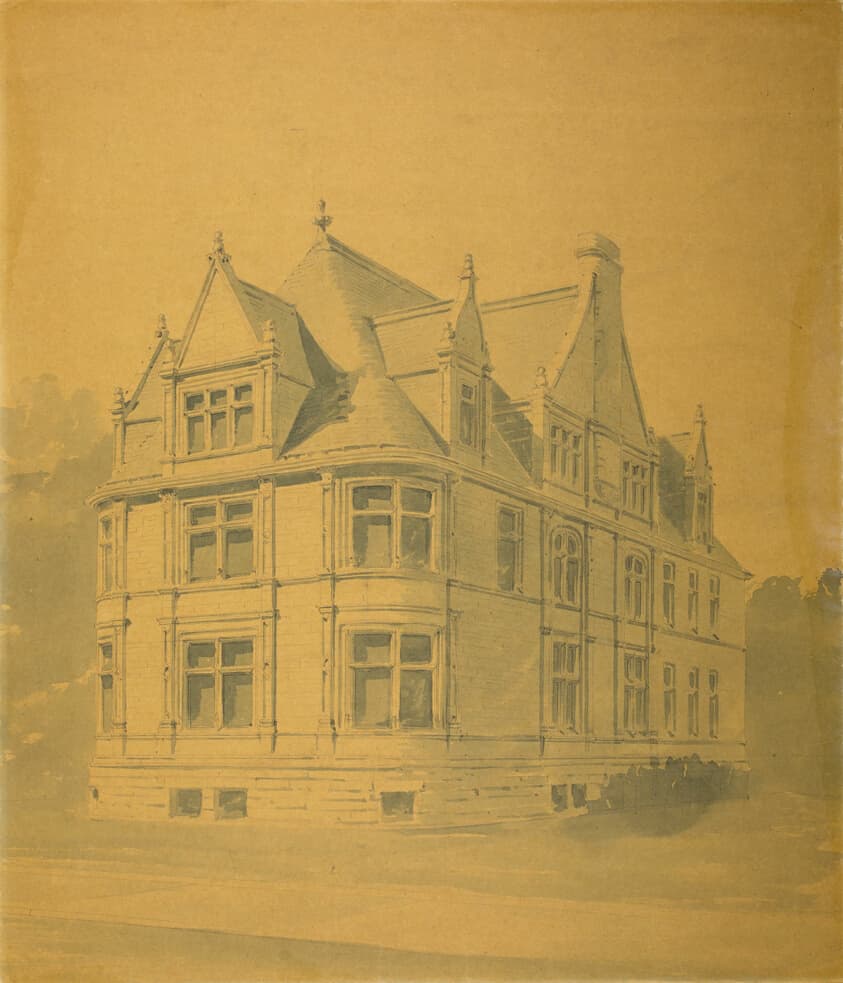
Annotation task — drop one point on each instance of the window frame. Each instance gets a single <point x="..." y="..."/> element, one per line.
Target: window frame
<point x="107" y="552"/>
<point x="469" y="405"/>
<point x="106" y="669"/>
<point x="560" y="681"/>
<point x="669" y="694"/>
<point x="714" y="585"/>
<point x="669" y="593"/>
<point x="218" y="672"/>
<point x="635" y="478"/>
<point x="207" y="411"/>
<point x="632" y="578"/>
<point x="517" y="538"/>
<point x="714" y="703"/>
<point x="561" y="559"/>
<point x="694" y="599"/>
<point x="694" y="701"/>
<point x="565" y="453"/>
<point x="636" y="692"/>
<point x="220" y="526"/>
<point x="395" y="631"/>
<point x="396" y="512"/>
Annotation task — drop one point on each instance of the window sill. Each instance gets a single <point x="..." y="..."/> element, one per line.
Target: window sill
<point x="566" y="606"/>
<point x="426" y="573"/>
<point x="219" y="453"/>
<point x="218" y="583"/>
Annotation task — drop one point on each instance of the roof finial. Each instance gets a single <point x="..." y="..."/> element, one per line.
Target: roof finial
<point x="541" y="377"/>
<point x="322" y="221"/>
<point x="161" y="331"/>
<point x="218" y="251"/>
<point x="468" y="268"/>
<point x="700" y="416"/>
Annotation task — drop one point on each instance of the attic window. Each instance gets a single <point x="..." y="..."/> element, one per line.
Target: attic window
<point x="219" y="418"/>
<point x="702" y="517"/>
<point x="468" y="415"/>
<point x="565" y="455"/>
<point x="635" y="483"/>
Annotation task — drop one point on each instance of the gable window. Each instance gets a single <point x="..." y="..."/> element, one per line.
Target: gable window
<point x="635" y="693"/>
<point x="468" y="415"/>
<point x="635" y="486"/>
<point x="106" y="546"/>
<point x="219" y="418"/>
<point x="693" y="702"/>
<point x="392" y="525"/>
<point x="220" y="539"/>
<point x="510" y="536"/>
<point x="106" y="686"/>
<point x="714" y="603"/>
<point x="669" y="593"/>
<point x="669" y="680"/>
<point x="566" y="686"/>
<point x="635" y="587"/>
<point x="693" y="599"/>
<point x="702" y="516"/>
<point x="218" y="690"/>
<point x="393" y="679"/>
<point x="713" y="703"/>
<point x="565" y="455"/>
<point x="567" y="566"/>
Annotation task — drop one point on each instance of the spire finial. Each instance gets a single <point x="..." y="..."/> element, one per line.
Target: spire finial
<point x="700" y="415"/>
<point x="218" y="251"/>
<point x="468" y="268"/>
<point x="119" y="400"/>
<point x="161" y="331"/>
<point x="322" y="220"/>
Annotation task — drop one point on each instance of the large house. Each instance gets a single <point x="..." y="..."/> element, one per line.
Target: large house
<point x="369" y="553"/>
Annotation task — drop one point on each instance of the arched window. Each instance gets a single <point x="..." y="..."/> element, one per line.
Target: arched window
<point x="567" y="566"/>
<point x="635" y="587"/>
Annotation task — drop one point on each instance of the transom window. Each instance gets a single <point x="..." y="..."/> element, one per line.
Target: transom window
<point x="635" y="587"/>
<point x="392" y="526"/>
<point x="713" y="703"/>
<point x="468" y="415"/>
<point x="636" y="479"/>
<point x="218" y="683"/>
<point x="693" y="599"/>
<point x="219" y="418"/>
<point x="714" y="603"/>
<point x="565" y="454"/>
<point x="567" y="566"/>
<point x="565" y="692"/>
<point x="635" y="693"/>
<point x="393" y="679"/>
<point x="220" y="539"/>
<point x="106" y="680"/>
<point x="669" y="680"/>
<point x="106" y="544"/>
<point x="669" y="593"/>
<point x="510" y="544"/>
<point x="693" y="702"/>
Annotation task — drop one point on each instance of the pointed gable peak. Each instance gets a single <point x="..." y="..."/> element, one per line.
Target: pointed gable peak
<point x="696" y="460"/>
<point x="218" y="253"/>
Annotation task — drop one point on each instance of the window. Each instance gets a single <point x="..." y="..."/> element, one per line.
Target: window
<point x="693" y="599"/>
<point x="230" y="803"/>
<point x="702" y="516"/>
<point x="392" y="525"/>
<point x="635" y="487"/>
<point x="669" y="593"/>
<point x="106" y="535"/>
<point x="714" y="603"/>
<point x="509" y="548"/>
<point x="565" y="455"/>
<point x="218" y="683"/>
<point x="694" y="702"/>
<point x="669" y="679"/>
<point x="186" y="802"/>
<point x="566" y="686"/>
<point x="567" y="566"/>
<point x="635" y="587"/>
<point x="635" y="694"/>
<point x="219" y="418"/>
<point x="468" y="415"/>
<point x="106" y="680"/>
<point x="713" y="703"/>
<point x="220" y="539"/>
<point x="393" y="679"/>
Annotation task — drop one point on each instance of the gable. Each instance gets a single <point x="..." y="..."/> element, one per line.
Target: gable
<point x="219" y="330"/>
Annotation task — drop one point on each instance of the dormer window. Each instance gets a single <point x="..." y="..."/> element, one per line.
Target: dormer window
<point x="219" y="418"/>
<point x="468" y="415"/>
<point x="565" y="455"/>
<point x="702" y="516"/>
<point x="636" y="480"/>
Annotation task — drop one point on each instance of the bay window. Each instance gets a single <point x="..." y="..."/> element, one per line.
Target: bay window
<point x="220" y="539"/>
<point x="218" y="683"/>
<point x="392" y="525"/>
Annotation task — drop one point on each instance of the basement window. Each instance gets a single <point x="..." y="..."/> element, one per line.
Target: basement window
<point x="230" y="803"/>
<point x="185" y="802"/>
<point x="397" y="803"/>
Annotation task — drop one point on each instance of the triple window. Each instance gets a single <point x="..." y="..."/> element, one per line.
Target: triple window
<point x="567" y="566"/>
<point x="219" y="418"/>
<point x="565" y="693"/>
<point x="635" y="694"/>
<point x="220" y="539"/>
<point x="636" y="480"/>
<point x="393" y="679"/>
<point x="565" y="455"/>
<point x="392" y="526"/>
<point x="218" y="683"/>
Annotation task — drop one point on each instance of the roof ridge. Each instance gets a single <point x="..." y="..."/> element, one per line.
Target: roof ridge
<point x="268" y="293"/>
<point x="372" y="265"/>
<point x="523" y="300"/>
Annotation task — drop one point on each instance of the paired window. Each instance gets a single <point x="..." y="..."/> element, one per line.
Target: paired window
<point x="510" y="546"/>
<point x="714" y="603"/>
<point x="567" y="566"/>
<point x="106" y="687"/>
<point x="218" y="683"/>
<point x="635" y="694"/>
<point x="565" y="693"/>
<point x="220" y="539"/>
<point x="713" y="703"/>
<point x="219" y="418"/>
<point x="669" y="593"/>
<point x="694" y="702"/>
<point x="468" y="415"/>
<point x="693" y="599"/>
<point x="107" y="553"/>
<point x="669" y="680"/>
<point x="565" y="455"/>
<point x="393" y="679"/>
<point x="392" y="526"/>
<point x="636" y="479"/>
<point x="635" y="587"/>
